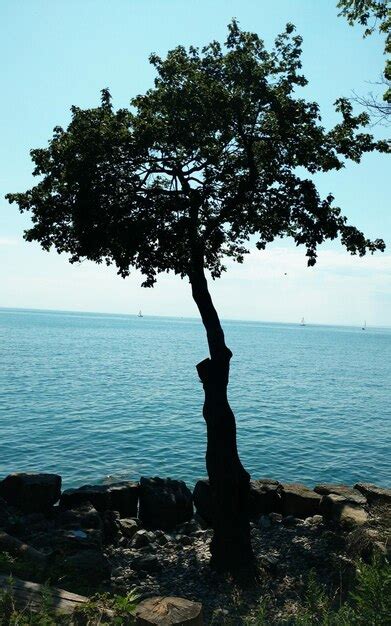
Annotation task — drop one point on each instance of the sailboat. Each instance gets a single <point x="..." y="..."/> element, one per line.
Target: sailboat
<point x="140" y="314"/>
<point x="365" y="326"/>
<point x="302" y="323"/>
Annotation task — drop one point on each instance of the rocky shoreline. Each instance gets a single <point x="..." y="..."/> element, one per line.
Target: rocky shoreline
<point x="153" y="536"/>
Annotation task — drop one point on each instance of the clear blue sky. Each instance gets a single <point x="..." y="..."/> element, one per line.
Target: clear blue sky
<point x="55" y="53"/>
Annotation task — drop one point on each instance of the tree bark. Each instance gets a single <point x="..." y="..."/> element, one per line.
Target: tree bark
<point x="230" y="483"/>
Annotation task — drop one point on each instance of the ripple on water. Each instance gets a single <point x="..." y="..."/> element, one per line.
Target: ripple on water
<point x="91" y="396"/>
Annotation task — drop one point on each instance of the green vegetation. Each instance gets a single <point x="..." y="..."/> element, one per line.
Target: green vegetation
<point x="367" y="604"/>
<point x="101" y="608"/>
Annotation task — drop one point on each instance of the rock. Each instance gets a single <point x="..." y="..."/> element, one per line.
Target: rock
<point x="289" y="521"/>
<point x="121" y="497"/>
<point x="342" y="510"/>
<point x="142" y="538"/>
<point x="128" y="527"/>
<point x="31" y="493"/>
<point x="202" y="498"/>
<point x="168" y="611"/>
<point x="164" y="503"/>
<point x="92" y="564"/>
<point x="184" y="540"/>
<point x="163" y="540"/>
<point x="147" y="563"/>
<point x="188" y="528"/>
<point x="275" y="518"/>
<point x="341" y="490"/>
<point x="265" y="496"/>
<point x="264" y="521"/>
<point x="85" y="516"/>
<point x="374" y="494"/>
<point x="5" y="514"/>
<point x="315" y="520"/>
<point x="111" y="525"/>
<point x="270" y="563"/>
<point x="97" y="495"/>
<point x="299" y="501"/>
<point x="71" y="541"/>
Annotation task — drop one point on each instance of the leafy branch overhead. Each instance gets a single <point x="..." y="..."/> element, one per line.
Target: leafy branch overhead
<point x="374" y="15"/>
<point x="220" y="149"/>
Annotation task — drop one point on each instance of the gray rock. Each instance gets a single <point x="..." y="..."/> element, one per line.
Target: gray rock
<point x="264" y="521"/>
<point x="97" y="495"/>
<point x="164" y="503"/>
<point x="275" y="518"/>
<point x="184" y="540"/>
<point x="163" y="540"/>
<point x="92" y="564"/>
<point x="85" y="516"/>
<point x="128" y="527"/>
<point x="346" y="512"/>
<point x="290" y="520"/>
<point x="202" y="498"/>
<point x="142" y="538"/>
<point x="299" y="501"/>
<point x="374" y="494"/>
<point x="31" y="493"/>
<point x="270" y="563"/>
<point x="121" y="497"/>
<point x="265" y="496"/>
<point x="341" y="490"/>
<point x="147" y="563"/>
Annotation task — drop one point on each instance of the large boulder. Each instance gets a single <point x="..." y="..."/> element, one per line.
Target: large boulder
<point x="164" y="503"/>
<point x="299" y="501"/>
<point x="374" y="495"/>
<point x="339" y="509"/>
<point x="202" y="498"/>
<point x="121" y="497"/>
<point x="265" y="496"/>
<point x="31" y="493"/>
<point x="91" y="565"/>
<point x="124" y="498"/>
<point x="85" y="516"/>
<point x="341" y="490"/>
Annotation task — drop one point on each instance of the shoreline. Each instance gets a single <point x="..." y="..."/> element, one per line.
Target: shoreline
<point x="153" y="536"/>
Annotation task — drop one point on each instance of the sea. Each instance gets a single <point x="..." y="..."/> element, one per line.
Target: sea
<point x="99" y="398"/>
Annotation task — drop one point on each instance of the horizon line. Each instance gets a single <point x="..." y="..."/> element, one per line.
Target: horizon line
<point x="186" y="317"/>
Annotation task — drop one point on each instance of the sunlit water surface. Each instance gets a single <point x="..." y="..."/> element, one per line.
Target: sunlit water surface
<point x="91" y="396"/>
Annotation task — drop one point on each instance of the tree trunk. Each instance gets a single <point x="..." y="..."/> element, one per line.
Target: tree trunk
<point x="229" y="481"/>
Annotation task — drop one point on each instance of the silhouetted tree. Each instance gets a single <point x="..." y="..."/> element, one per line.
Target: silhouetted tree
<point x="374" y="15"/>
<point x="220" y="150"/>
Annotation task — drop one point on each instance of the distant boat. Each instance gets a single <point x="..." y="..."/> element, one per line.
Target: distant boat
<point x="140" y="314"/>
<point x="302" y="323"/>
<point x="365" y="326"/>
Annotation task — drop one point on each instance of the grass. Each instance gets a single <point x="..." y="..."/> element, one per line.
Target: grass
<point x="93" y="613"/>
<point x="367" y="604"/>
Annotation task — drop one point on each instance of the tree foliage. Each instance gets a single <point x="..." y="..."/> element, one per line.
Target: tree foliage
<point x="221" y="149"/>
<point x="374" y="15"/>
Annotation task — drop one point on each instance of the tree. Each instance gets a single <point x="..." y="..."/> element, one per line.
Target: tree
<point x="221" y="149"/>
<point x="374" y="15"/>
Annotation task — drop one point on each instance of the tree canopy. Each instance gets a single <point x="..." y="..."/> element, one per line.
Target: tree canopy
<point x="374" y="15"/>
<point x="222" y="148"/>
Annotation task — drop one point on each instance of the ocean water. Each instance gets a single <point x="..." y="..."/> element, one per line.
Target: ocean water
<point x="100" y="397"/>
